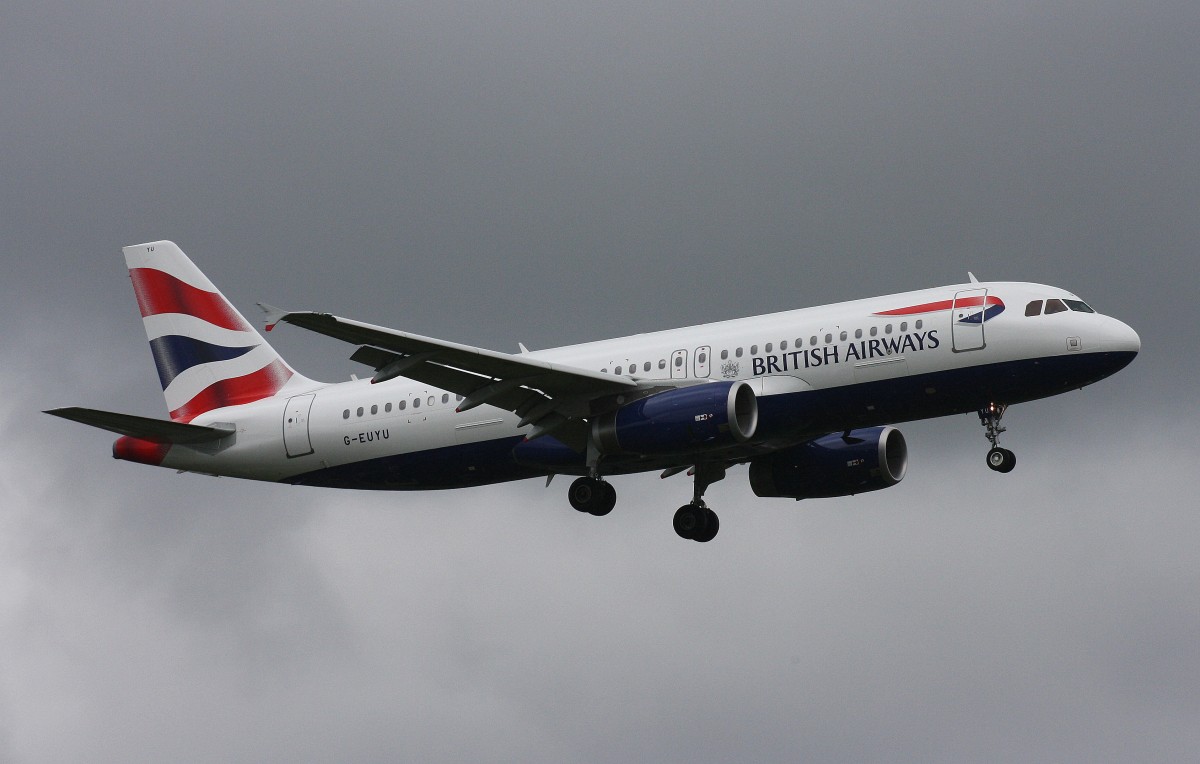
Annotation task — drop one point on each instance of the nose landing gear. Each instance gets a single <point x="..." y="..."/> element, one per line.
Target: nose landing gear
<point x="999" y="459"/>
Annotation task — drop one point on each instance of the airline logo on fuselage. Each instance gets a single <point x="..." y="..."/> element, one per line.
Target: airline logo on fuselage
<point x="857" y="350"/>
<point x="968" y="311"/>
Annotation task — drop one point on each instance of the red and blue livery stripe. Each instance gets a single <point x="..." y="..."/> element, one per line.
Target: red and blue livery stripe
<point x="178" y="351"/>
<point x="175" y="354"/>
<point x="991" y="304"/>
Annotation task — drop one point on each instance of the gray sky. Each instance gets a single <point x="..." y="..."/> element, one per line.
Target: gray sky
<point x="554" y="173"/>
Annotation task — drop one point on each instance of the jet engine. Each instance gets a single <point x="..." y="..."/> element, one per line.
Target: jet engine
<point x="838" y="464"/>
<point x="686" y="419"/>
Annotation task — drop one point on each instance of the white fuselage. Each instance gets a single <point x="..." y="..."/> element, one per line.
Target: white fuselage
<point x="845" y="356"/>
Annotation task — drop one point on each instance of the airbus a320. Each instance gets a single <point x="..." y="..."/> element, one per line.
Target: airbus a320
<point x="808" y="398"/>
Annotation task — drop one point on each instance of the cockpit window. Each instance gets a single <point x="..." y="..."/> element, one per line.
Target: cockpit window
<point x="1079" y="306"/>
<point x="1054" y="306"/>
<point x="1034" y="308"/>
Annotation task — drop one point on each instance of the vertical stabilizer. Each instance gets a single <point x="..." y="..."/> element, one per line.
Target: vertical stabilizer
<point x="208" y="356"/>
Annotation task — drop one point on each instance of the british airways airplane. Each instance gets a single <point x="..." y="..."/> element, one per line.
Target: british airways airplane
<point x="807" y="398"/>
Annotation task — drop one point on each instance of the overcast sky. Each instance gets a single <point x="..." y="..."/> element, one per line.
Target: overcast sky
<point x="553" y="173"/>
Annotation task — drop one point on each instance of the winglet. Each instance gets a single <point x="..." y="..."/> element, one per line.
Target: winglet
<point x="273" y="315"/>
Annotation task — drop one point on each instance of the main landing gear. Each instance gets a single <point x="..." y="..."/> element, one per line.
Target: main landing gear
<point x="592" y="495"/>
<point x="695" y="521"/>
<point x="999" y="459"/>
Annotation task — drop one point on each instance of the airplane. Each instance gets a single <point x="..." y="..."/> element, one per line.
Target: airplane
<point x="807" y="398"/>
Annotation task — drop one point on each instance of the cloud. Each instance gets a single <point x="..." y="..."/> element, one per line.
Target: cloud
<point x="556" y="174"/>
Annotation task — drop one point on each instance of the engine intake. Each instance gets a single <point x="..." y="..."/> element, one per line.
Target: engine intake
<point x="833" y="465"/>
<point x="686" y="419"/>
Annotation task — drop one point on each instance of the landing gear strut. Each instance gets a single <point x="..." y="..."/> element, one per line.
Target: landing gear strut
<point x="999" y="459"/>
<point x="592" y="495"/>
<point x="695" y="521"/>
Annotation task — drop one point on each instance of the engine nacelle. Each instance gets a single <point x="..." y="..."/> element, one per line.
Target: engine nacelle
<point x="683" y="420"/>
<point x="833" y="465"/>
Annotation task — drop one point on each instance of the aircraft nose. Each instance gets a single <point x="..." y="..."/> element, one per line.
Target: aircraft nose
<point x="1124" y="339"/>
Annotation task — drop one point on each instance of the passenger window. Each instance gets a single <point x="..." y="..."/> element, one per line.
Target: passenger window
<point x="1034" y="308"/>
<point x="387" y="407"/>
<point x="430" y="401"/>
<point x="374" y="410"/>
<point x="812" y="340"/>
<point x="416" y="403"/>
<point x="703" y="357"/>
<point x="858" y="334"/>
<point x="360" y="411"/>
<point x="618" y="370"/>
<point x="738" y="352"/>
<point x="783" y="345"/>
<point x="724" y="354"/>
<point x="1079" y="306"/>
<point x="662" y="363"/>
<point x="874" y="330"/>
<point x="920" y="323"/>
<point x="887" y="329"/>
<point x="458" y="398"/>
<point x="904" y="326"/>
<point x="445" y="397"/>
<point x="754" y="350"/>
<point x="842" y="336"/>
<point x="402" y="405"/>
<point x="799" y="342"/>
<point x="346" y="414"/>
<point x="828" y="338"/>
<point x="1054" y="306"/>
<point x="769" y="346"/>
<point x="678" y="361"/>
<point x="646" y="366"/>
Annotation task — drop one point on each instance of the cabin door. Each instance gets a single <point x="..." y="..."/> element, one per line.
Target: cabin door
<point x="295" y="425"/>
<point x="966" y="319"/>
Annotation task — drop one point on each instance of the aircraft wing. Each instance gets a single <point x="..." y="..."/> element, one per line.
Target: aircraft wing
<point x="553" y="397"/>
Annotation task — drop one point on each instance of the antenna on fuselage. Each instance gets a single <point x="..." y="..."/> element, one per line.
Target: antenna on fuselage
<point x="971" y="276"/>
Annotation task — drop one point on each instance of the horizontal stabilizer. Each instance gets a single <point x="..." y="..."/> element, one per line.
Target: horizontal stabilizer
<point x="145" y="428"/>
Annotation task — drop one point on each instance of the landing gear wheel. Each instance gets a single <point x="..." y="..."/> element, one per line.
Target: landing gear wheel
<point x="713" y="524"/>
<point x="696" y="523"/>
<point x="1001" y="459"/>
<point x="607" y="500"/>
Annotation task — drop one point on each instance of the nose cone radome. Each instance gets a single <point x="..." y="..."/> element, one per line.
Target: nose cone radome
<point x="1123" y="339"/>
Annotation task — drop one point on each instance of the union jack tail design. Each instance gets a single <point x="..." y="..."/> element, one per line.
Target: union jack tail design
<point x="208" y="356"/>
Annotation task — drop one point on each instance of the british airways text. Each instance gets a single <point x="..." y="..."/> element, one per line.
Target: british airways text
<point x="861" y="350"/>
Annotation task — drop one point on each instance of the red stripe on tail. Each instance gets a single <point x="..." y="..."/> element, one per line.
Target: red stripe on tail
<point x="230" y="392"/>
<point x="158" y="292"/>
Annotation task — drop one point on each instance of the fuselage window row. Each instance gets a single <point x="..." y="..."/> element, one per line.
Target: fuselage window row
<point x="400" y="405"/>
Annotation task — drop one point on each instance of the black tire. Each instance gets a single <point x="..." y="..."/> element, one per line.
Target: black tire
<point x="688" y="520"/>
<point x="606" y="500"/>
<point x="1001" y="459"/>
<point x="1010" y="461"/>
<point x="711" y="526"/>
<point x="583" y="494"/>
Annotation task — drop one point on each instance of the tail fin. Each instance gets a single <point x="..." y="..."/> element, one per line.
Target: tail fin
<point x="208" y="356"/>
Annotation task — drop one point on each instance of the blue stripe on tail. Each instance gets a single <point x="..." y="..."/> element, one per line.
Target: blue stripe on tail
<point x="175" y="354"/>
